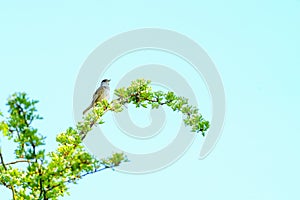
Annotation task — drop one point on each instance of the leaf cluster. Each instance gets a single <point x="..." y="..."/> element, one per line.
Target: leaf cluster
<point x="35" y="173"/>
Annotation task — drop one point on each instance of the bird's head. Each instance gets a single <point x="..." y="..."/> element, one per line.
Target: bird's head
<point x="105" y="82"/>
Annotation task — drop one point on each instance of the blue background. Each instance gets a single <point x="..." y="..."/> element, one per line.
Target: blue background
<point x="255" y="46"/>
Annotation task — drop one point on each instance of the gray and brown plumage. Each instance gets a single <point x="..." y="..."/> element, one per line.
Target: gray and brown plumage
<point x="101" y="93"/>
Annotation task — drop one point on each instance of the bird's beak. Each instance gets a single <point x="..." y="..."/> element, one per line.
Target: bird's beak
<point x="109" y="80"/>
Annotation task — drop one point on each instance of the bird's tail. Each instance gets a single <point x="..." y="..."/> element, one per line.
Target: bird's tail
<point x="87" y="109"/>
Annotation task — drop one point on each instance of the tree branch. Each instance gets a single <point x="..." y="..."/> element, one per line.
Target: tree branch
<point x="122" y="101"/>
<point x="11" y="187"/>
<point x="2" y="161"/>
<point x="92" y="123"/>
<point x="42" y="190"/>
<point x="18" y="161"/>
<point x="73" y="179"/>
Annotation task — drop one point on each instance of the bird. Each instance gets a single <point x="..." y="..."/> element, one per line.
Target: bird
<point x="101" y="93"/>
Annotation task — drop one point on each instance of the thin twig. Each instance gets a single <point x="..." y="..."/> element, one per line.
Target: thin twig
<point x="19" y="161"/>
<point x="71" y="180"/>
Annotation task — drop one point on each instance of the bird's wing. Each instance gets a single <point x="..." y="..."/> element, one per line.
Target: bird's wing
<point x="97" y="94"/>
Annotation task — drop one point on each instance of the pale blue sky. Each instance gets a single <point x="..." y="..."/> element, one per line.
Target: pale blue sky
<point x="255" y="46"/>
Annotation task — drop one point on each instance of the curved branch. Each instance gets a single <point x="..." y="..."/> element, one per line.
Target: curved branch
<point x="19" y="161"/>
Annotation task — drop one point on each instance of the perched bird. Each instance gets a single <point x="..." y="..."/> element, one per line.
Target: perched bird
<point x="101" y="93"/>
